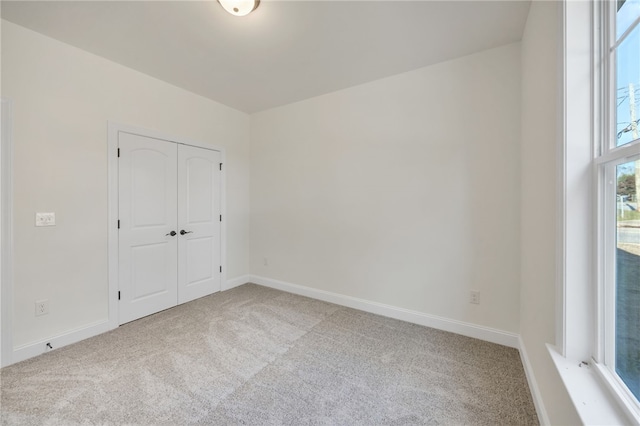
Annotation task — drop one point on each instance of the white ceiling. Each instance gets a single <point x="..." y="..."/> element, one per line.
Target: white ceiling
<point x="285" y="51"/>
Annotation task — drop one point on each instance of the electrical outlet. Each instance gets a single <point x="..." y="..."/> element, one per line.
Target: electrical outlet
<point x="42" y="307"/>
<point x="265" y="261"/>
<point x="46" y="219"/>
<point x="474" y="297"/>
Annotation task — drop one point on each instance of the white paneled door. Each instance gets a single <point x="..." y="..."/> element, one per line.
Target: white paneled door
<point x="169" y="224"/>
<point x="199" y="220"/>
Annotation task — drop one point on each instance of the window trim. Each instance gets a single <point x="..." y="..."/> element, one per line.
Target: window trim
<point x="619" y="392"/>
<point x="579" y="311"/>
<point x="607" y="157"/>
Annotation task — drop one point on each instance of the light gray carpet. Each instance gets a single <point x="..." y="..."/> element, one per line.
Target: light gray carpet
<point x="254" y="355"/>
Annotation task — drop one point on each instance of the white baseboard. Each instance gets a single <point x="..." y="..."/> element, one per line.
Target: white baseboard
<point x="235" y="282"/>
<point x="454" y="326"/>
<point x="543" y="417"/>
<point x="31" y="350"/>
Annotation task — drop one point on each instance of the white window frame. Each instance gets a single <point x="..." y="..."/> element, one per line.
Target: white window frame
<point x="607" y="157"/>
<point x="578" y="353"/>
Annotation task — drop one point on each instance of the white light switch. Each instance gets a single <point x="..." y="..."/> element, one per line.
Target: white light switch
<point x="46" y="219"/>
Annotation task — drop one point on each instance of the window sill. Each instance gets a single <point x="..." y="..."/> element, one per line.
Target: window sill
<point x="593" y="401"/>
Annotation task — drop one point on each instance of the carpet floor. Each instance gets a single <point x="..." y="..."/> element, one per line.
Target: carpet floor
<point x="258" y="356"/>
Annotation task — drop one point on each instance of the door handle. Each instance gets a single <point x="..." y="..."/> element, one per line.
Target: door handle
<point x="183" y="232"/>
<point x="172" y="233"/>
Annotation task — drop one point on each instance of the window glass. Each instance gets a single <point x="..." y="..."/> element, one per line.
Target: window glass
<point x="628" y="88"/>
<point x="628" y="11"/>
<point x="627" y="317"/>
<point x="619" y="215"/>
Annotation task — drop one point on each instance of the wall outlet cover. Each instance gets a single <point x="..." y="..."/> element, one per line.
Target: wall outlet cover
<point x="46" y="219"/>
<point x="42" y="307"/>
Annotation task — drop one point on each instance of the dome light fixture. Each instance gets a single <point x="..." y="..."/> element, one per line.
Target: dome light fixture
<point x="239" y="7"/>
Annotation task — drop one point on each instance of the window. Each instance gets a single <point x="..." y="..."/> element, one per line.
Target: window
<point x="618" y="167"/>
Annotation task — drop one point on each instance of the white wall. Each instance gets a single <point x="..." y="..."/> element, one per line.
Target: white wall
<point x="403" y="191"/>
<point x="408" y="191"/>
<point x="2" y="206"/>
<point x="62" y="99"/>
<point x="540" y="120"/>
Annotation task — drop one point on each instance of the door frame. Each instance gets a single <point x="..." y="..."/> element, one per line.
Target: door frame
<point x="6" y="232"/>
<point x="113" y="261"/>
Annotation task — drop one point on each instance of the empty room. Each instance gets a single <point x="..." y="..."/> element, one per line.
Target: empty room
<point x="320" y="212"/>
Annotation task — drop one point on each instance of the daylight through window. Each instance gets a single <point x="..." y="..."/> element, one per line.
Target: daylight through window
<point x="618" y="166"/>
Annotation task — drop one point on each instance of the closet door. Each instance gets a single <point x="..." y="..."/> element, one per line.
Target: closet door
<point x="148" y="239"/>
<point x="198" y="222"/>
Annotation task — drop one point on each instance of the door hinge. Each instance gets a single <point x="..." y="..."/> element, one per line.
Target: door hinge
<point x="220" y="218"/>
<point x="220" y="166"/>
<point x="118" y="223"/>
<point x="118" y="152"/>
<point x="220" y="269"/>
<point x="118" y="295"/>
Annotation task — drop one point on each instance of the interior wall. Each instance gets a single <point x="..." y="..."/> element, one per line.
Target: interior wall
<point x="2" y="208"/>
<point x="62" y="99"/>
<point x="402" y="191"/>
<point x="539" y="159"/>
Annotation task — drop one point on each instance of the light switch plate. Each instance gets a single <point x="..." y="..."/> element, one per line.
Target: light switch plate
<point x="46" y="219"/>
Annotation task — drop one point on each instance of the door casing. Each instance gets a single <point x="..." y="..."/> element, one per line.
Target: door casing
<point x="6" y="233"/>
<point x="113" y="261"/>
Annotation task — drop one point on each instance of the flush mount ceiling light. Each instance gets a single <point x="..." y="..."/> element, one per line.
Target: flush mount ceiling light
<point x="239" y="7"/>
